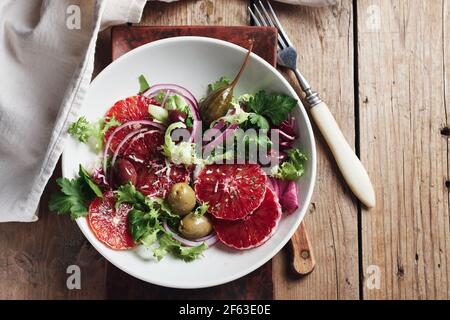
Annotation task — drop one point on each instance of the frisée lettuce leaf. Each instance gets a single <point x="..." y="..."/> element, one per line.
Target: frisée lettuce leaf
<point x="181" y="153"/>
<point x="236" y="115"/>
<point x="246" y="120"/>
<point x="201" y="209"/>
<point x="292" y="168"/>
<point x="158" y="113"/>
<point x="222" y="82"/>
<point x="167" y="244"/>
<point x="92" y="134"/>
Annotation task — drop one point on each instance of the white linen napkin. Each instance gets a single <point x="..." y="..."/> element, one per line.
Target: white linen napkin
<point x="46" y="59"/>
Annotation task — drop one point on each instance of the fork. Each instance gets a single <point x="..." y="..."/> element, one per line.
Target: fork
<point x="349" y="164"/>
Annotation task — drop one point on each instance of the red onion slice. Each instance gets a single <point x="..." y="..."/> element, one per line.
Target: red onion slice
<point x="172" y="87"/>
<point x="192" y="102"/>
<point x="196" y="124"/>
<point x="206" y="238"/>
<point x="293" y="123"/>
<point x="286" y="144"/>
<point x="210" y="239"/>
<point x="227" y="133"/>
<point x="126" y="125"/>
<point x="125" y="140"/>
<point x="100" y="179"/>
<point x="165" y="98"/>
<point x="283" y="135"/>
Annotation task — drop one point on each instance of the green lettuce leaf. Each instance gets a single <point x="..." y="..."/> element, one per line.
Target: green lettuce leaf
<point x="201" y="209"/>
<point x="143" y="84"/>
<point x="181" y="153"/>
<point x="87" y="179"/>
<point x="92" y="133"/>
<point x="143" y="225"/>
<point x="127" y="193"/>
<point x="177" y="102"/>
<point x="292" y="168"/>
<point x="222" y="82"/>
<point x="168" y="245"/>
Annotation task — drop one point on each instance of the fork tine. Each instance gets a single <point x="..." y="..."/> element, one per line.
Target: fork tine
<point x="262" y="21"/>
<point x="254" y="17"/>
<point x="283" y="43"/>
<point x="261" y="18"/>
<point x="278" y="24"/>
<point x="267" y="16"/>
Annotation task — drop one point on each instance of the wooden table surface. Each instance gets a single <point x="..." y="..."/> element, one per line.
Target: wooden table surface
<point x="383" y="67"/>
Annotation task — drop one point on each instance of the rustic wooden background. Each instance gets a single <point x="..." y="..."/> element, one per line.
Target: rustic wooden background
<point x="383" y="67"/>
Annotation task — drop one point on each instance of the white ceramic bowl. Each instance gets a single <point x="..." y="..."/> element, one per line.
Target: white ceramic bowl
<point x="192" y="62"/>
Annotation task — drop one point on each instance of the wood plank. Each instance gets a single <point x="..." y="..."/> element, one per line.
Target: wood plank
<point x="35" y="256"/>
<point x="403" y="65"/>
<point x="324" y="38"/>
<point x="199" y="12"/>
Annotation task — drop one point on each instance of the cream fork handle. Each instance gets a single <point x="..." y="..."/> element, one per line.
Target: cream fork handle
<point x="351" y="167"/>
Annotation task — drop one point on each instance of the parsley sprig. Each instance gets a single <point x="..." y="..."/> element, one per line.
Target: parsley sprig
<point x="75" y="195"/>
<point x="273" y="107"/>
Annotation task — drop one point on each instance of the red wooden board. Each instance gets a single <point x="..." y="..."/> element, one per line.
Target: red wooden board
<point x="258" y="284"/>
<point x="126" y="38"/>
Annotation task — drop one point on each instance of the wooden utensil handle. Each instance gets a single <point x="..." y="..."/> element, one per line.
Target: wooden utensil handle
<point x="351" y="167"/>
<point x="303" y="261"/>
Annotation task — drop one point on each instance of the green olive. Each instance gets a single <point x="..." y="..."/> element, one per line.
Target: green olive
<point x="181" y="198"/>
<point x="195" y="226"/>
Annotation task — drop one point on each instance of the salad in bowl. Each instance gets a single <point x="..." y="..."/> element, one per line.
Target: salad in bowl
<point x="210" y="179"/>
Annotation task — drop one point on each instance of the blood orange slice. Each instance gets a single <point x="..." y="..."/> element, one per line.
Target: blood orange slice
<point x="144" y="147"/>
<point x="129" y="109"/>
<point x="156" y="178"/>
<point x="254" y="229"/>
<point x="109" y="225"/>
<point x="233" y="191"/>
